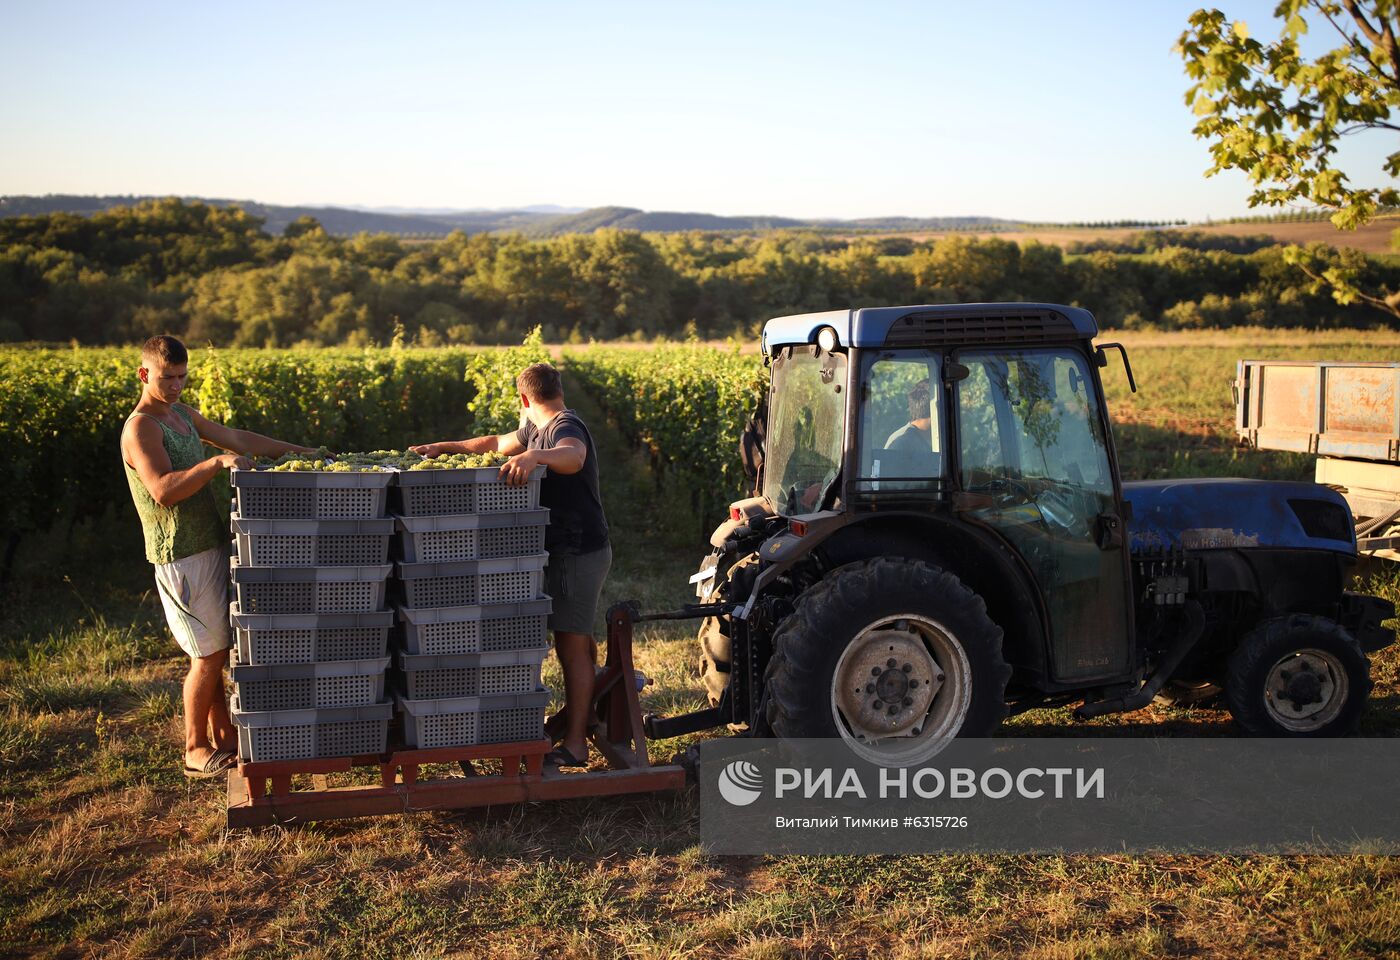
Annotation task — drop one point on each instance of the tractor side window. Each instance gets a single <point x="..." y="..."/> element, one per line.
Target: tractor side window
<point x="1030" y="415"/>
<point x="901" y="433"/>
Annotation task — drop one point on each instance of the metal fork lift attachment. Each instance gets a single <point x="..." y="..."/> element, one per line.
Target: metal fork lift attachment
<point x="261" y="793"/>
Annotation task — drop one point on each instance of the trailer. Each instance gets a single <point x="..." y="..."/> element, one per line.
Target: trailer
<point x="1348" y="415"/>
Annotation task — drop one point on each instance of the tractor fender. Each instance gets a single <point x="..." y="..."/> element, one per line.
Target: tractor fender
<point x="981" y="561"/>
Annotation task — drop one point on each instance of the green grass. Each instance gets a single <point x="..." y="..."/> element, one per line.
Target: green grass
<point x="108" y="851"/>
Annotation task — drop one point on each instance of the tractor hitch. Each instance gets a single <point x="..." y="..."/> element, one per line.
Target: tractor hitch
<point x="621" y="617"/>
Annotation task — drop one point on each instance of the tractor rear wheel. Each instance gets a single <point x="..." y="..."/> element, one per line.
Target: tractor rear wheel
<point x="893" y="656"/>
<point x="1298" y="676"/>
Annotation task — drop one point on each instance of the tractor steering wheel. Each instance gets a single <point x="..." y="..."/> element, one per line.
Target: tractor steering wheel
<point x="1004" y="490"/>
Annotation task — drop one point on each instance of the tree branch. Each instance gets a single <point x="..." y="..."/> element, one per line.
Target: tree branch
<point x="1383" y="40"/>
<point x="1370" y="125"/>
<point x="1380" y="303"/>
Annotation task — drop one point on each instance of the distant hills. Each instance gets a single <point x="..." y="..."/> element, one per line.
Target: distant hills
<point x="536" y="221"/>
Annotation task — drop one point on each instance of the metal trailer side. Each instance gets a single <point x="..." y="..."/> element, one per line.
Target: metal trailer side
<point x="1346" y="413"/>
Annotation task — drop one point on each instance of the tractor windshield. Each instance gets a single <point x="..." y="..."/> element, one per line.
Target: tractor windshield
<point x="806" y="420"/>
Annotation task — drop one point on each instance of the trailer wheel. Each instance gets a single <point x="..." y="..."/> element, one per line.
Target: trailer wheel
<point x="892" y="656"/>
<point x="1298" y="676"/>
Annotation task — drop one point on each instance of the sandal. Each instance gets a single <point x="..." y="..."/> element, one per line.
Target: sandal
<point x="217" y="763"/>
<point x="561" y="757"/>
<point x="555" y="722"/>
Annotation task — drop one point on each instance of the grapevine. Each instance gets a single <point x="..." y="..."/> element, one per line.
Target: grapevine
<point x="683" y="405"/>
<point x="63" y="409"/>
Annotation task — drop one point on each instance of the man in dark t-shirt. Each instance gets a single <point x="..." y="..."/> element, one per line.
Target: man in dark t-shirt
<point x="576" y="538"/>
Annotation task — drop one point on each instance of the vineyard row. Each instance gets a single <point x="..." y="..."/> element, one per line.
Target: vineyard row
<point x="63" y="410"/>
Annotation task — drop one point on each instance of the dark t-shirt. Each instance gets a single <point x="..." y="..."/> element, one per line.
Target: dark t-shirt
<point x="910" y="439"/>
<point x="576" y="521"/>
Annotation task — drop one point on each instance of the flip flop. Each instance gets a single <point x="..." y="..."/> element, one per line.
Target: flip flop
<point x="218" y="762"/>
<point x="557" y="720"/>
<point x="561" y="757"/>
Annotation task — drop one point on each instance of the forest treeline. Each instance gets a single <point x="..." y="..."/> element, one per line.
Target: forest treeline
<point x="214" y="275"/>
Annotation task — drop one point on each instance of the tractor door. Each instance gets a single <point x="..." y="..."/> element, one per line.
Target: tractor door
<point x="1033" y="464"/>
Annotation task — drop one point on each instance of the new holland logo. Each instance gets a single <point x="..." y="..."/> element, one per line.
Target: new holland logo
<point x="740" y="783"/>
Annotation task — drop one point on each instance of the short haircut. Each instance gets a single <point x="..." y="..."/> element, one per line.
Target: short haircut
<point x="166" y="349"/>
<point x="539" y="382"/>
<point x="919" y="401"/>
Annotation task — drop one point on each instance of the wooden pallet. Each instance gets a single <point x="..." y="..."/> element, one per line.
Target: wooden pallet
<point x="261" y="793"/>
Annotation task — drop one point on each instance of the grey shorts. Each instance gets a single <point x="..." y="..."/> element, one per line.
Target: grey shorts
<point x="575" y="583"/>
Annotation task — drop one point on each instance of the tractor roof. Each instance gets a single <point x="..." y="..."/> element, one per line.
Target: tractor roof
<point x="941" y="323"/>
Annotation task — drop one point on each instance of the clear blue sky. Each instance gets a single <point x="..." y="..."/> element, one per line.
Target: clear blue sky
<point x="1048" y="111"/>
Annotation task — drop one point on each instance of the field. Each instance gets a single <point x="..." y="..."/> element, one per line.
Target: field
<point x="1373" y="238"/>
<point x="108" y="851"/>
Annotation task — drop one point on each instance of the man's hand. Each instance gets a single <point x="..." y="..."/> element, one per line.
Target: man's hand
<point x="234" y="461"/>
<point x="516" y="471"/>
<point x="429" y="450"/>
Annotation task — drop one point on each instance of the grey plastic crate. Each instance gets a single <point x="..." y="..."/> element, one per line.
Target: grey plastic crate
<point x="472" y="582"/>
<point x="427" y="493"/>
<point x="311" y="734"/>
<point x="304" y="686"/>
<point x="311" y="543"/>
<point x="476" y="629"/>
<point x="470" y="536"/>
<point x="466" y="721"/>
<point x="429" y="677"/>
<point x="309" y="589"/>
<point x="316" y="495"/>
<point x="273" y="638"/>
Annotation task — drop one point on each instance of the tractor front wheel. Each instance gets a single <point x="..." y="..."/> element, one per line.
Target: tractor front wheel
<point x="893" y="656"/>
<point x="1298" y="676"/>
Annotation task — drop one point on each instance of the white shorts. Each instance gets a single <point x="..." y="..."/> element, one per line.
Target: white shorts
<point x="194" y="592"/>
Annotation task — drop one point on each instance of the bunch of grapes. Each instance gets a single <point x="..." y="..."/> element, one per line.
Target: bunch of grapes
<point x="298" y="466"/>
<point x="395" y="459"/>
<point x="462" y="461"/>
<point x="361" y="461"/>
<point x="280" y="463"/>
<point x="323" y="459"/>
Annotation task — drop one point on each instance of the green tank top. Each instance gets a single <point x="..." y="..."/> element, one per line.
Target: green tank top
<point x="191" y="526"/>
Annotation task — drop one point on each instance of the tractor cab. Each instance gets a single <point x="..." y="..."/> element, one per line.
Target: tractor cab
<point x="995" y="419"/>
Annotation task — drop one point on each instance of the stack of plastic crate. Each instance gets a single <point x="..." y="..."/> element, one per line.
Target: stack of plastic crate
<point x="469" y="579"/>
<point x="310" y="619"/>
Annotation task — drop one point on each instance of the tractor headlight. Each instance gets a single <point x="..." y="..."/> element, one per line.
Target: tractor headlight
<point x="826" y="339"/>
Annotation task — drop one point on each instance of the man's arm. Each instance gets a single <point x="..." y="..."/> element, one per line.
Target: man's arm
<point x="143" y="449"/>
<point x="566" y="457"/>
<point x="241" y="441"/>
<point x="507" y="443"/>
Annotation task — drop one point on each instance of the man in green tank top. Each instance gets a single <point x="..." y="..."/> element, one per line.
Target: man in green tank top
<point x="187" y="536"/>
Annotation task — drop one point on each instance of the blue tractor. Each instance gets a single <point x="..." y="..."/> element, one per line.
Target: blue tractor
<point x="942" y="537"/>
